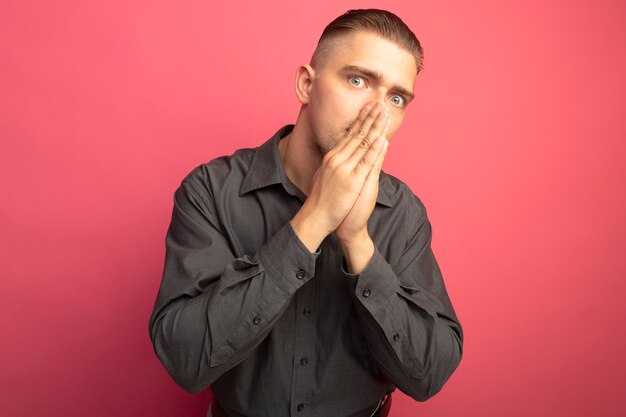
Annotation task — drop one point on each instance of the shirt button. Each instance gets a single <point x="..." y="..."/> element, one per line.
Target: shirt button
<point x="396" y="337"/>
<point x="257" y="320"/>
<point x="367" y="292"/>
<point x="300" y="274"/>
<point x="304" y="361"/>
<point x="300" y="407"/>
<point x="307" y="311"/>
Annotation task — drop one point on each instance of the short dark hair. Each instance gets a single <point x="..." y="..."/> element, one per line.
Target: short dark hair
<point x="380" y="22"/>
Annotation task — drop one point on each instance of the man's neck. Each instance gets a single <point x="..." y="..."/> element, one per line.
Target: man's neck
<point x="300" y="157"/>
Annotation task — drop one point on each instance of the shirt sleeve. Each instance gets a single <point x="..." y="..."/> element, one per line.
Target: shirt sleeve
<point x="212" y="308"/>
<point x="406" y="315"/>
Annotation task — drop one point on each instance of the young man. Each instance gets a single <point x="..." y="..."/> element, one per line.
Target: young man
<point x="299" y="278"/>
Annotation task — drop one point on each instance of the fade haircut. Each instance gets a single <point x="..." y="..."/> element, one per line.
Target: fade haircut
<point x="380" y="22"/>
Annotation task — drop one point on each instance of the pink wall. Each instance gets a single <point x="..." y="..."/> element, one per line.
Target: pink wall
<point x="516" y="144"/>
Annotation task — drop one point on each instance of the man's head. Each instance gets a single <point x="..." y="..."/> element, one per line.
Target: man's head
<point x="363" y="57"/>
<point x="380" y="22"/>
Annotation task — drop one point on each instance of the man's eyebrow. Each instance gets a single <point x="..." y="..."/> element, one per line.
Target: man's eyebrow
<point x="376" y="76"/>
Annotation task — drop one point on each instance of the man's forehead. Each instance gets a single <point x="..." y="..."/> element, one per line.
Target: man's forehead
<point x="372" y="52"/>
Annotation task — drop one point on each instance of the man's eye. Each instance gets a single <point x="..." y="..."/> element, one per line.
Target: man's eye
<point x="397" y="101"/>
<point x="357" y="81"/>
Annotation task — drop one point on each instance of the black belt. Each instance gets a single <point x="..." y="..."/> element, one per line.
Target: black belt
<point x="383" y="407"/>
<point x="381" y="410"/>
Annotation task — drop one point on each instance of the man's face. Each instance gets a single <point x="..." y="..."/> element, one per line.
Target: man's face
<point x="361" y="68"/>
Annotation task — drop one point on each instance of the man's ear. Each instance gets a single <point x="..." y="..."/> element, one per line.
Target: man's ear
<point x="304" y="82"/>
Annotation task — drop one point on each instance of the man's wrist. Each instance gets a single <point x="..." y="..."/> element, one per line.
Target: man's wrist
<point x="308" y="231"/>
<point x="358" y="253"/>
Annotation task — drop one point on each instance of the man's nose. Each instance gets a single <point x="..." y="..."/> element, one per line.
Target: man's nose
<point x="379" y="97"/>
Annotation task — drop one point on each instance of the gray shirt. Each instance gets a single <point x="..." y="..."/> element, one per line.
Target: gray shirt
<point x="275" y="330"/>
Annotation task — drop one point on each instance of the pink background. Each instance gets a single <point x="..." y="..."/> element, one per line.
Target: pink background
<point x="516" y="144"/>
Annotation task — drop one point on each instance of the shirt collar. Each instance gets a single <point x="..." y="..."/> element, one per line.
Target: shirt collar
<point x="267" y="168"/>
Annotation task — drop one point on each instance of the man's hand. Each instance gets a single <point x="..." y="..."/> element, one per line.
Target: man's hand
<point x="356" y="244"/>
<point x="354" y="226"/>
<point x="340" y="180"/>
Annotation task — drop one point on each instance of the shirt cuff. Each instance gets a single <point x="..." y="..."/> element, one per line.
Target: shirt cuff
<point x="287" y="260"/>
<point x="375" y="284"/>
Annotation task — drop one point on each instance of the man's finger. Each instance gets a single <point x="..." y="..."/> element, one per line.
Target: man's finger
<point x="357" y="149"/>
<point x="364" y="114"/>
<point x="368" y="161"/>
<point x="374" y="174"/>
<point x="354" y="128"/>
<point x="364" y="129"/>
<point x="386" y="130"/>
